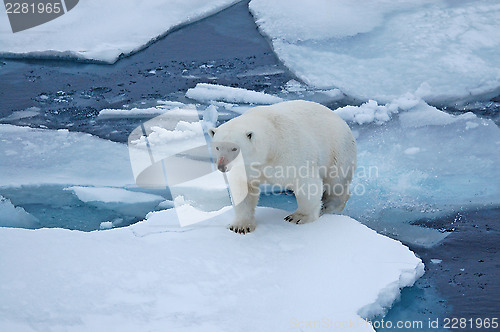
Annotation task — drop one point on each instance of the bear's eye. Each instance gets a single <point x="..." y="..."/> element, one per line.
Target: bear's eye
<point x="217" y="148"/>
<point x="234" y="149"/>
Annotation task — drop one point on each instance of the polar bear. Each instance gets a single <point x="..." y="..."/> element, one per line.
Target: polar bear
<point x="298" y="145"/>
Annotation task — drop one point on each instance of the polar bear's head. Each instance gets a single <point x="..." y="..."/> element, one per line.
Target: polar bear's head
<point x="232" y="140"/>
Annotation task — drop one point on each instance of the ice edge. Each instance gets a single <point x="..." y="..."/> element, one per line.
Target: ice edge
<point x="392" y="292"/>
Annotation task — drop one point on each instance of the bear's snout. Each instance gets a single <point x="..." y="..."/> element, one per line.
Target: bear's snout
<point x="226" y="152"/>
<point x="222" y="168"/>
<point x="222" y="165"/>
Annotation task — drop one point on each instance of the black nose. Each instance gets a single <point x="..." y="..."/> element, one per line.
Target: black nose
<point x="222" y="168"/>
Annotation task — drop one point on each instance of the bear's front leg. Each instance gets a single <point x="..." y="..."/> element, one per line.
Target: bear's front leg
<point x="244" y="221"/>
<point x="308" y="194"/>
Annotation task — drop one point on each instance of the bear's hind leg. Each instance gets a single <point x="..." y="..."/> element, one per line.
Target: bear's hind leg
<point x="335" y="196"/>
<point x="308" y="197"/>
<point x="333" y="203"/>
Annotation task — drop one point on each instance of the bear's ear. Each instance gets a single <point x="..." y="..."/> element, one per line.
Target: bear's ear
<point x="211" y="132"/>
<point x="250" y="135"/>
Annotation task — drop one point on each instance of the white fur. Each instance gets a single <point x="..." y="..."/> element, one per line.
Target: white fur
<point x="300" y="145"/>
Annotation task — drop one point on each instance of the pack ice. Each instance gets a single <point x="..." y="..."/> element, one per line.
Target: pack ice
<point x="103" y="30"/>
<point x="443" y="51"/>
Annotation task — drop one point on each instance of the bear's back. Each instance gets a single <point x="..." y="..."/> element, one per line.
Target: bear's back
<point x="299" y="116"/>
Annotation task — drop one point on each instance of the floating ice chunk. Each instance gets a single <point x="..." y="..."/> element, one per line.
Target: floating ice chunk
<point x="171" y="108"/>
<point x="160" y="136"/>
<point x="112" y="195"/>
<point x="90" y="32"/>
<point x="61" y="157"/>
<point x="294" y="86"/>
<point x="166" y="204"/>
<point x="334" y="94"/>
<point x="18" y="115"/>
<point x="170" y="103"/>
<point x="210" y="116"/>
<point x="421" y="113"/>
<point x="426" y="115"/>
<point x="237" y="108"/>
<point x="108" y="113"/>
<point x="205" y="92"/>
<point x="436" y="261"/>
<point x="12" y="216"/>
<point x="262" y="71"/>
<point x="368" y="112"/>
<point x="441" y="50"/>
<point x="157" y="264"/>
<point x="106" y="225"/>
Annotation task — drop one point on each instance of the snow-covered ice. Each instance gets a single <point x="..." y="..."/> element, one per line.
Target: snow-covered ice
<point x="205" y="92"/>
<point x="103" y="30"/>
<point x="38" y="156"/>
<point x="443" y="51"/>
<point x="156" y="276"/>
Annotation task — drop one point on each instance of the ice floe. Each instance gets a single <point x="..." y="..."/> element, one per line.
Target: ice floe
<point x="156" y="275"/>
<point x="103" y="30"/>
<point x="440" y="50"/>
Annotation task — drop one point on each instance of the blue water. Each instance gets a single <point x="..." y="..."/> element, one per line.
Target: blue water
<point x="53" y="206"/>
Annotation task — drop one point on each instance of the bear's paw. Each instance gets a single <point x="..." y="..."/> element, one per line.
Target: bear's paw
<point x="299" y="218"/>
<point x="242" y="227"/>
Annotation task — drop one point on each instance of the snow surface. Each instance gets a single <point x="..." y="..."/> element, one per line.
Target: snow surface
<point x="112" y="195"/>
<point x="205" y="92"/>
<point x="103" y="30"/>
<point x="443" y="51"/>
<point x="156" y="276"/>
<point x="38" y="156"/>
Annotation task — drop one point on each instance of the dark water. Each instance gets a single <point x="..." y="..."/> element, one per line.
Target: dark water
<point x="223" y="49"/>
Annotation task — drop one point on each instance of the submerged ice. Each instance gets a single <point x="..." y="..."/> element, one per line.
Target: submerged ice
<point x="421" y="164"/>
<point x="36" y="166"/>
